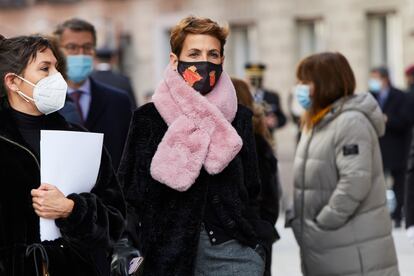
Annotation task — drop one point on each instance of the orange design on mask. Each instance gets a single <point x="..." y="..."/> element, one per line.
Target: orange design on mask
<point x="191" y="76"/>
<point x="212" y="78"/>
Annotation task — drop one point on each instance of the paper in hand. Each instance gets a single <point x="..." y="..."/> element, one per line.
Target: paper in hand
<point x="70" y="161"/>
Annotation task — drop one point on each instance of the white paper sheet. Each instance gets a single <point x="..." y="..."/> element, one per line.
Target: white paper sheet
<point x="70" y="161"/>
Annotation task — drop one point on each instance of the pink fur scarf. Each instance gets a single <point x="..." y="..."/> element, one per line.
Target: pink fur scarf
<point x="199" y="130"/>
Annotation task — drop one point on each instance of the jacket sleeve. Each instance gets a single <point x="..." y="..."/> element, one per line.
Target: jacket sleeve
<point x="130" y="172"/>
<point x="353" y="153"/>
<point x="97" y="219"/>
<point x="409" y="185"/>
<point x="281" y="118"/>
<point x="269" y="195"/>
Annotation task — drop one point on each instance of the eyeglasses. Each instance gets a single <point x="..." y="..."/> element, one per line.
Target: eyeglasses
<point x="72" y="48"/>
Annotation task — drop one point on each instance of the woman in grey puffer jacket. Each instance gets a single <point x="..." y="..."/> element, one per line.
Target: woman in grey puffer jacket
<point x="341" y="221"/>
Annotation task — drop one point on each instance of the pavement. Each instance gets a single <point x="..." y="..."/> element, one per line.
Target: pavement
<point x="286" y="261"/>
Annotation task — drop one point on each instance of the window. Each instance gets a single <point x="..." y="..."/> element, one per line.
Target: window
<point x="240" y="48"/>
<point x="13" y="3"/>
<point x="310" y="37"/>
<point x="384" y="33"/>
<point x="57" y="1"/>
<point x="377" y="40"/>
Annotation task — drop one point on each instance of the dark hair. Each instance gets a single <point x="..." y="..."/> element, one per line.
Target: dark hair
<point x="17" y="52"/>
<point x="244" y="97"/>
<point x="382" y="71"/>
<point x="332" y="77"/>
<point x="59" y="55"/>
<point x="409" y="71"/>
<point x="196" y="25"/>
<point x="76" y="25"/>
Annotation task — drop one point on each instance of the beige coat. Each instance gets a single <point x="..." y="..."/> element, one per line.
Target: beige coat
<point x="341" y="220"/>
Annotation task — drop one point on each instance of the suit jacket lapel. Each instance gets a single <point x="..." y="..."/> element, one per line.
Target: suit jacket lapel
<point x="97" y="107"/>
<point x="388" y="100"/>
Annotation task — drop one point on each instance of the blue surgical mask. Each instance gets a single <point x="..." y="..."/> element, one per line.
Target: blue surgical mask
<point x="374" y="85"/>
<point x="302" y="93"/>
<point x="79" y="67"/>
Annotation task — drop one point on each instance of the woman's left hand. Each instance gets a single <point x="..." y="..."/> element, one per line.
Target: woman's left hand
<point x="50" y="203"/>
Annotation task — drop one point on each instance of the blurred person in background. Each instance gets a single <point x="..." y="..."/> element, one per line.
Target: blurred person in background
<point x="148" y="96"/>
<point x="341" y="221"/>
<point x="31" y="92"/>
<point x="409" y="78"/>
<point x="394" y="144"/>
<point x="409" y="181"/>
<point x="71" y="110"/>
<point x="409" y="194"/>
<point x="189" y="172"/>
<point x="101" y="108"/>
<point x="269" y="192"/>
<point x="105" y="61"/>
<point x="296" y="112"/>
<point x="275" y="118"/>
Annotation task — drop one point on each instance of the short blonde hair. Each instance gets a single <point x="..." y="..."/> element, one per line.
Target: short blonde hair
<point x="196" y="25"/>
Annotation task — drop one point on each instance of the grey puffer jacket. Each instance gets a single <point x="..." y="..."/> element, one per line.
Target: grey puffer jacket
<point x="341" y="219"/>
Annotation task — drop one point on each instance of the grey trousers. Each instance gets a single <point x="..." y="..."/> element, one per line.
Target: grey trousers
<point x="227" y="259"/>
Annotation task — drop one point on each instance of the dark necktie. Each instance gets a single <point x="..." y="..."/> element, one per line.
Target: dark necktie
<point x="75" y="96"/>
<point x="382" y="99"/>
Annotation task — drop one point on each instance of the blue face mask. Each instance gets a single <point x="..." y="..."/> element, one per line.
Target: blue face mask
<point x="79" y="67"/>
<point x="302" y="93"/>
<point x="374" y="85"/>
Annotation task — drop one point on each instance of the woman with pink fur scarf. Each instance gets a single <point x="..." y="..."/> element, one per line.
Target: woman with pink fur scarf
<point x="189" y="171"/>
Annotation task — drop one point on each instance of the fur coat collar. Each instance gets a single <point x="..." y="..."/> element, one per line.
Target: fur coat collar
<point x="199" y="130"/>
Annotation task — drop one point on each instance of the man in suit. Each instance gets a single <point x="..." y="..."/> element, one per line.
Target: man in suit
<point x="394" y="144"/>
<point x="409" y="194"/>
<point x="409" y="78"/>
<point x="98" y="107"/>
<point x="275" y="118"/>
<point x="104" y="72"/>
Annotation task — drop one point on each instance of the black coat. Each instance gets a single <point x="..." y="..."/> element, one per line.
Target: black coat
<point x="409" y="188"/>
<point x="269" y="195"/>
<point x="117" y="80"/>
<point x="109" y="113"/>
<point x="165" y="223"/>
<point x="394" y="144"/>
<point x="96" y="220"/>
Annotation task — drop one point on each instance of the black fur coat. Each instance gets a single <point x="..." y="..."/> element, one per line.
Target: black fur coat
<point x="165" y="223"/>
<point x="97" y="218"/>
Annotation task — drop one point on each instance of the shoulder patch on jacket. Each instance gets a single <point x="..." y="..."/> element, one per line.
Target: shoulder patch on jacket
<point x="350" y="150"/>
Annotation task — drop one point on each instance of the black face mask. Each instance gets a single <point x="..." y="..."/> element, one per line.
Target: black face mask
<point x="201" y="75"/>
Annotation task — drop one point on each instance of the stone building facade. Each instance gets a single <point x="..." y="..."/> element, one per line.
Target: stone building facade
<point x="276" y="32"/>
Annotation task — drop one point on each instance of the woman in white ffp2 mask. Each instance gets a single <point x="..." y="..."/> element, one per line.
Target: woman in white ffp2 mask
<point x="31" y="91"/>
<point x="49" y="93"/>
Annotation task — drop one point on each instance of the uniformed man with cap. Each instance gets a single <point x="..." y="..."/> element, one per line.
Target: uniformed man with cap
<point x="275" y="118"/>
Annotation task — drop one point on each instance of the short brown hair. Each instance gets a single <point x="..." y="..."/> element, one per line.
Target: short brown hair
<point x="17" y="52"/>
<point x="76" y="25"/>
<point x="196" y="25"/>
<point x="331" y="76"/>
<point x="59" y="55"/>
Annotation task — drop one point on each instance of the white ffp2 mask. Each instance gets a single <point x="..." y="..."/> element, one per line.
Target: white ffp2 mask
<point x="49" y="93"/>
